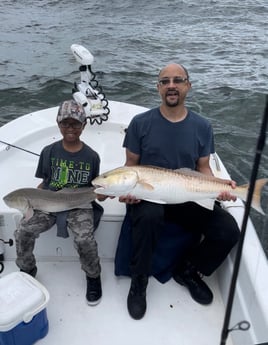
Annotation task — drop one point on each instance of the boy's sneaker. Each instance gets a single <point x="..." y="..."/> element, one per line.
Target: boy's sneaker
<point x="94" y="291"/>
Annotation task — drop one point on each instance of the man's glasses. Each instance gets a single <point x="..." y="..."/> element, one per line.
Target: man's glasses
<point x="74" y="125"/>
<point x="176" y="80"/>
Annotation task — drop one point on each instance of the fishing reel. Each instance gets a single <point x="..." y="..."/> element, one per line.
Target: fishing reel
<point x="88" y="92"/>
<point x="10" y="242"/>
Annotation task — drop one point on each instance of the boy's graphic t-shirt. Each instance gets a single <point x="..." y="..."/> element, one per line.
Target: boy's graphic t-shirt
<point x="62" y="169"/>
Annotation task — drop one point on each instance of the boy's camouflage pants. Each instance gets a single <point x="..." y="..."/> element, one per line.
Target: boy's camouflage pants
<point x="80" y="223"/>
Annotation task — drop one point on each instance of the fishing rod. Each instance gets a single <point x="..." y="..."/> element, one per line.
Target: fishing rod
<point x="244" y="325"/>
<point x="19" y="148"/>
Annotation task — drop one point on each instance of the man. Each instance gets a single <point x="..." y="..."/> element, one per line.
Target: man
<point x="173" y="137"/>
<point x="68" y="163"/>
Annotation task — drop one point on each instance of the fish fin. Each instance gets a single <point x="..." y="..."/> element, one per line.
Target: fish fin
<point x="29" y="213"/>
<point x="256" y="198"/>
<point x="186" y="170"/>
<point x="206" y="203"/>
<point x="189" y="172"/>
<point x="156" y="201"/>
<point x="145" y="185"/>
<point x="65" y="190"/>
<point x="74" y="190"/>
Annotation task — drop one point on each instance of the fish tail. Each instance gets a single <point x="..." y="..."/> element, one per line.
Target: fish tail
<point x="256" y="198"/>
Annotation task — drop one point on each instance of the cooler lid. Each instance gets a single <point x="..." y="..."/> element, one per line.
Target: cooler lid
<point x="21" y="298"/>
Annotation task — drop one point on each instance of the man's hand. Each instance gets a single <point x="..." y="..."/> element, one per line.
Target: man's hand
<point x="227" y="196"/>
<point x="102" y="197"/>
<point x="128" y="199"/>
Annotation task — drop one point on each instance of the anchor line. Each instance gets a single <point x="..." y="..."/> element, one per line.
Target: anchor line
<point x="256" y="163"/>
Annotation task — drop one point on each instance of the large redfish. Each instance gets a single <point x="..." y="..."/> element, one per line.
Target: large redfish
<point x="166" y="186"/>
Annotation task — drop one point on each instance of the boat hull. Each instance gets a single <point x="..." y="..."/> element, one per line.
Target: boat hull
<point x="171" y="312"/>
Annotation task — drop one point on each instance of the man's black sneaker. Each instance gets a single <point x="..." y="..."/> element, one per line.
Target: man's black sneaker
<point x="198" y="289"/>
<point x="94" y="291"/>
<point x="32" y="272"/>
<point x="136" y="300"/>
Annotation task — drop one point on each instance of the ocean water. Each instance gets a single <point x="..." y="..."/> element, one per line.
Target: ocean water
<point x="224" y="45"/>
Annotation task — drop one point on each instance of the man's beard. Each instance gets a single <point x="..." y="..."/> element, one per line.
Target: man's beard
<point x="174" y="103"/>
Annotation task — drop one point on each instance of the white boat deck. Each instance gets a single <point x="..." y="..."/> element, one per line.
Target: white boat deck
<point x="172" y="317"/>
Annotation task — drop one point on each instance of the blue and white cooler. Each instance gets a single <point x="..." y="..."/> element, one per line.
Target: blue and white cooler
<point x="23" y="315"/>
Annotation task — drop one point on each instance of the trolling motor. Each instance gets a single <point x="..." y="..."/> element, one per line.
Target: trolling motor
<point x="89" y="93"/>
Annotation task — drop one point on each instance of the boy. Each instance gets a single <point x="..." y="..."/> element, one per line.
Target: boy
<point x="68" y="163"/>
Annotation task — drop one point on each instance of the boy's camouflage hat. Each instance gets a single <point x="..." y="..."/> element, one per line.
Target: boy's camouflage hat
<point x="70" y="109"/>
